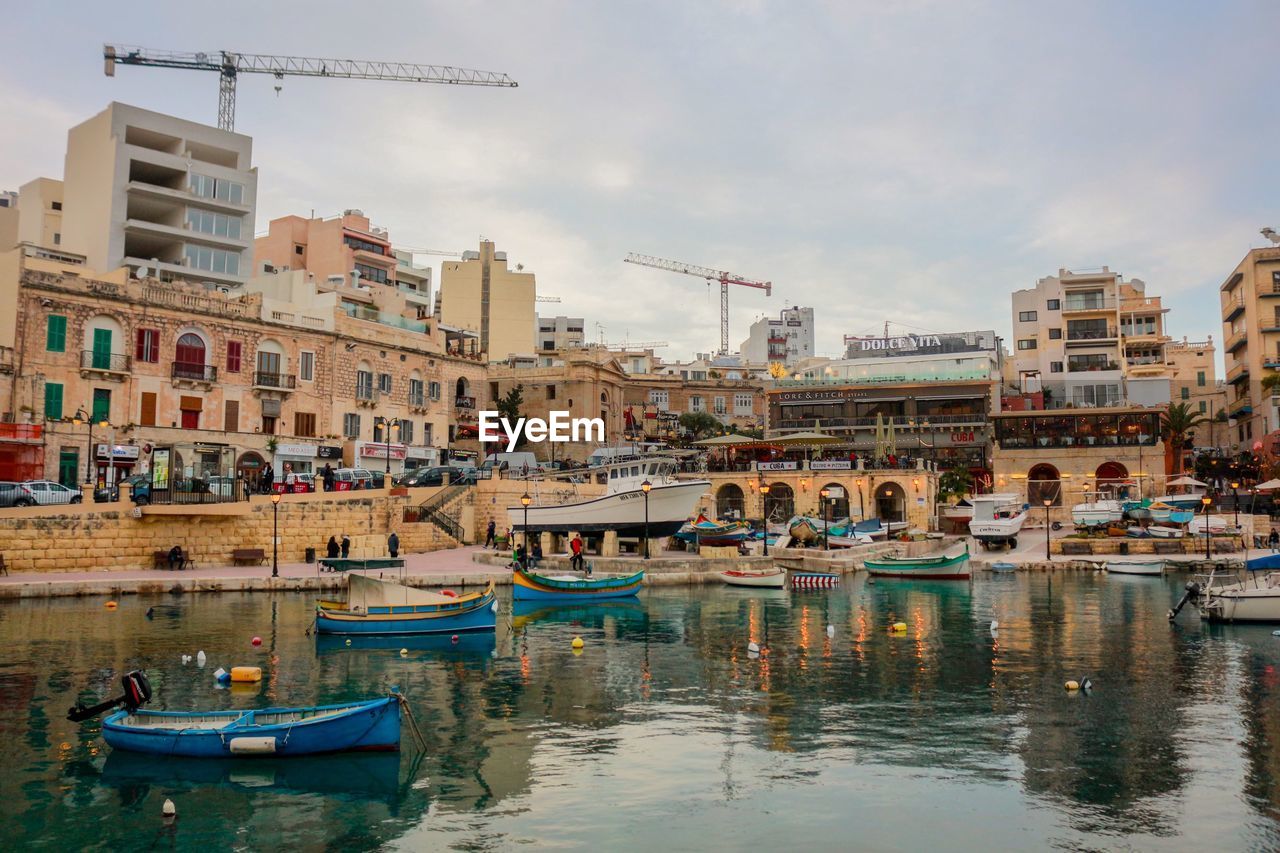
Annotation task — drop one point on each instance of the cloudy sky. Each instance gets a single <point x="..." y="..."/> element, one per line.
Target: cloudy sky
<point x="909" y="161"/>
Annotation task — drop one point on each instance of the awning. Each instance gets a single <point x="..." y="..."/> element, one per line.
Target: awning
<point x="725" y="441"/>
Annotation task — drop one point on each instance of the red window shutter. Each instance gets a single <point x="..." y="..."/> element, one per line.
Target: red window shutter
<point x="140" y="346"/>
<point x="153" y="351"/>
<point x="233" y="356"/>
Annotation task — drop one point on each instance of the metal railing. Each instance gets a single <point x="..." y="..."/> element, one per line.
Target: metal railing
<point x="1089" y="367"/>
<point x="262" y="379"/>
<point x="434" y="510"/>
<point x="1090" y="334"/>
<point x="938" y="422"/>
<point x="194" y="372"/>
<point x="464" y="402"/>
<point x="418" y="400"/>
<point x="91" y="360"/>
<point x="219" y="490"/>
<point x="1094" y="304"/>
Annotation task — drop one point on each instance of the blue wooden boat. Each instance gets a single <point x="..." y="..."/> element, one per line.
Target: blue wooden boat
<point x="373" y="725"/>
<point x="532" y="586"/>
<point x="381" y="607"/>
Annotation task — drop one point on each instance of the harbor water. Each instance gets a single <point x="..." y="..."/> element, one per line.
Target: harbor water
<point x="665" y="732"/>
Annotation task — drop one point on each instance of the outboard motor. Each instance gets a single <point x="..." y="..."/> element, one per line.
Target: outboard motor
<point x="1192" y="593"/>
<point x="137" y="692"/>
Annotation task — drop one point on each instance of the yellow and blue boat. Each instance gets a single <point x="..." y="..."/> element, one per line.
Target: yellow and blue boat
<point x="531" y="586"/>
<point x="381" y="607"/>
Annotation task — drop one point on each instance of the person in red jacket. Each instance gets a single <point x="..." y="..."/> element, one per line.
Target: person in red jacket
<point x="575" y="547"/>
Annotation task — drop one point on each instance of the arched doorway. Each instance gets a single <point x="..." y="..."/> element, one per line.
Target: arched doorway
<point x="461" y="388"/>
<point x="729" y="502"/>
<point x="780" y="503"/>
<point x="249" y="467"/>
<point x="1044" y="483"/>
<point x="189" y="356"/>
<point x="838" y="503"/>
<point x="891" y="502"/>
<point x="1112" y="479"/>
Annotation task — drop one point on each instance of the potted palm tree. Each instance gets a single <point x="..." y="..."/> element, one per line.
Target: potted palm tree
<point x="1176" y="426"/>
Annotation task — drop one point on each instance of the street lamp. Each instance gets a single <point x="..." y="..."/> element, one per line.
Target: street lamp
<point x="525" y="500"/>
<point x="1206" y="500"/>
<point x="645" y="487"/>
<point x="1235" y="501"/>
<point x="825" y="493"/>
<point x="764" y="498"/>
<point x="1048" y="555"/>
<point x="387" y="424"/>
<point x="79" y="418"/>
<point x="275" y="535"/>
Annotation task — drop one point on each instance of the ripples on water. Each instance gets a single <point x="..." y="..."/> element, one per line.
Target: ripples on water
<point x="667" y="733"/>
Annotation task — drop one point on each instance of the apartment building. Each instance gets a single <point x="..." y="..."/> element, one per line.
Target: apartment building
<point x="559" y="333"/>
<point x="1194" y="381"/>
<point x="1090" y="338"/>
<point x="655" y="401"/>
<point x="483" y="294"/>
<point x="329" y="248"/>
<point x="1251" y="342"/>
<point x="788" y="339"/>
<point x="158" y="194"/>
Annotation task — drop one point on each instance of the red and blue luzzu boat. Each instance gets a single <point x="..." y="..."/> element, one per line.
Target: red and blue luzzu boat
<point x="373" y="725"/>
<point x="381" y="607"/>
<point x="531" y="586"/>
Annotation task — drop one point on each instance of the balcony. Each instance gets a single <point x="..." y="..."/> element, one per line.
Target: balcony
<point x="1082" y="306"/>
<point x="1237" y="373"/>
<point x="274" y="381"/>
<point x="1090" y="336"/>
<point x="417" y="403"/>
<point x="1143" y="336"/>
<point x="1237" y="408"/>
<point x="937" y="423"/>
<point x="1091" y="367"/>
<point x="1141" y="304"/>
<point x="186" y="373"/>
<point x="367" y="397"/>
<point x="1146" y="366"/>
<point x="105" y="365"/>
<point x="1235" y="340"/>
<point x="464" y="402"/>
<point x="1271" y="362"/>
<point x="1232" y="306"/>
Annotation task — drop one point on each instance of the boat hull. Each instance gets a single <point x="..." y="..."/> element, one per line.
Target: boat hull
<point x="670" y="506"/>
<point x="1242" y="605"/>
<point x="933" y="568"/>
<point x="759" y="580"/>
<point x="530" y="586"/>
<point x="359" y="726"/>
<point x="468" y="614"/>
<point x="1135" y="567"/>
<point x="814" y="580"/>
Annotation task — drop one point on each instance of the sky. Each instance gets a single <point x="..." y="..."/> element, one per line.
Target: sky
<point x="911" y="162"/>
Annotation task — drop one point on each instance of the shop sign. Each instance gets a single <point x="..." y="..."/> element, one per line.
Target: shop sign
<point x="963" y="437"/>
<point x="830" y="465"/>
<point x="160" y="468"/>
<point x="119" y="452"/>
<point x="818" y="396"/>
<point x="328" y="452"/>
<point x="306" y="451"/>
<point x="381" y="451"/>
<point x="776" y="466"/>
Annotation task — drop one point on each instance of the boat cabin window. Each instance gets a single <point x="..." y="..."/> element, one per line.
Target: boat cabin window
<point x="613" y="473"/>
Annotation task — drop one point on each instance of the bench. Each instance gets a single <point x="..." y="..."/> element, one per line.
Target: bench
<point x="1077" y="547"/>
<point x="251" y="556"/>
<point x="1172" y="546"/>
<point x="344" y="564"/>
<point x="160" y="560"/>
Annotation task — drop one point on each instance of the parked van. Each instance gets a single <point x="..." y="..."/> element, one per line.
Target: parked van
<point x="517" y="462"/>
<point x="348" y="479"/>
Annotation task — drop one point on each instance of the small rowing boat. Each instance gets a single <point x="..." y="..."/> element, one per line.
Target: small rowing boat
<point x="380" y="607"/>
<point x="532" y="586"/>
<point x="372" y="725"/>
<point x="1135" y="567"/>
<point x="766" y="579"/>
<point x="939" y="567"/>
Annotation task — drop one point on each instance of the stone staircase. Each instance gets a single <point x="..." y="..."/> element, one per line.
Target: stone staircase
<point x="444" y="509"/>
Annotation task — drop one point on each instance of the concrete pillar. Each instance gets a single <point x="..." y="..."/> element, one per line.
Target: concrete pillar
<point x="86" y="492"/>
<point x="609" y="547"/>
<point x="548" y="541"/>
<point x="656" y="547"/>
<point x="126" y="494"/>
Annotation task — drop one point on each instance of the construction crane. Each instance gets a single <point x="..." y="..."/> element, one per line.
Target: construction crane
<point x="725" y="279"/>
<point x="440" y="252"/>
<point x="631" y="345"/>
<point x="546" y="299"/>
<point x="231" y="65"/>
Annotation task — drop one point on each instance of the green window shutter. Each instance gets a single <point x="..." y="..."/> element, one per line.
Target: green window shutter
<point x="53" y="400"/>
<point x="56" y="337"/>
<point x="101" y="349"/>
<point x="101" y="405"/>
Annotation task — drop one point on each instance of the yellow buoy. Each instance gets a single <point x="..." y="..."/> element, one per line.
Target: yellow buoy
<point x="1073" y="685"/>
<point x="404" y="653"/>
<point x="577" y="651"/>
<point x="246" y="673"/>
<point x="577" y="643"/>
<point x="899" y="627"/>
<point x="111" y="605"/>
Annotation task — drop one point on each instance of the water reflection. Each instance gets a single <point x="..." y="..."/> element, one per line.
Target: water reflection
<point x="668" y="716"/>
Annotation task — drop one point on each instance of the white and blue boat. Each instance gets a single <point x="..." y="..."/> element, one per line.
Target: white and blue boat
<point x="533" y="586"/>
<point x="372" y="725"/>
<point x="382" y="607"/>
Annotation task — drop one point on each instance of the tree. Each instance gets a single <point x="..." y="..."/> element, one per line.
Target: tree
<point x="1271" y="382"/>
<point x="698" y="424"/>
<point x="1176" y="426"/>
<point x="957" y="482"/>
<point x="509" y="407"/>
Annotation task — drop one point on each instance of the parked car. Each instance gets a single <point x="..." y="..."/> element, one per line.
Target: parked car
<point x="141" y="490"/>
<point x="357" y="478"/>
<point x="47" y="493"/>
<point x="308" y="479"/>
<point x="437" y="475"/>
<point x="9" y="493"/>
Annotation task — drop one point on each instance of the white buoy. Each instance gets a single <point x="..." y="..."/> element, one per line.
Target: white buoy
<point x="995" y="625"/>
<point x="753" y="646"/>
<point x="831" y="630"/>
<point x="168" y="809"/>
<point x="200" y="658"/>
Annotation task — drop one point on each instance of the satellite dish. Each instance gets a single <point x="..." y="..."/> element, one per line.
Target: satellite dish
<point x="1270" y="234"/>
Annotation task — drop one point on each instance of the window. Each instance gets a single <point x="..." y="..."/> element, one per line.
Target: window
<point x="363" y="245"/>
<point x="147" y="346"/>
<point x="1202" y="407"/>
<point x="406" y="432"/>
<point x="53" y="400"/>
<point x="234" y="350"/>
<point x="384" y="383"/>
<point x="1026" y="316"/>
<point x="297" y="249"/>
<point x="695" y="403"/>
<point x="306" y="366"/>
<point x="212" y="260"/>
<point x="231" y="416"/>
<point x="434" y="389"/>
<point x="1054" y="305"/>
<point x="304" y="424"/>
<point x="1200" y="378"/>
<point x="372" y="273"/>
<point x="1055" y="334"/>
<point x="222" y="189"/>
<point x="189" y="352"/>
<point x="218" y="224"/>
<point x="1093" y="361"/>
<point x="1186" y="393"/>
<point x="1055" y="367"/>
<point x="415" y="392"/>
<point x="551" y="392"/>
<point x="55" y="339"/>
<point x="101" y="405"/>
<point x="57" y="238"/>
<point x="364" y="385"/>
<point x="658" y="398"/>
<point x="742" y="404"/>
<point x="1026" y="344"/>
<point x="351" y="425"/>
<point x="56" y="205"/>
<point x="719" y="406"/>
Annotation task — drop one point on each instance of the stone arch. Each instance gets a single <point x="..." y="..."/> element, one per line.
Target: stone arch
<point x="93" y="339"/>
<point x="730" y="502"/>
<point x="838" y="507"/>
<point x="1044" y="483"/>
<point x="891" y="502"/>
<point x="191" y="349"/>
<point x="1111" y="476"/>
<point x="271" y="357"/>
<point x="462" y="388"/>
<point x="779" y="503"/>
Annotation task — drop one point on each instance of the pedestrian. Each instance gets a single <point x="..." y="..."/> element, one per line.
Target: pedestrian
<point x="489" y="538"/>
<point x="331" y="550"/>
<point x="393" y="545"/>
<point x="521" y="556"/>
<point x="175" y="557"/>
<point x="346" y="546"/>
<point x="1273" y="540"/>
<point x="535" y="556"/>
<point x="267" y="476"/>
<point x="575" y="547"/>
<point x="327" y="477"/>
<point x="290" y="478"/>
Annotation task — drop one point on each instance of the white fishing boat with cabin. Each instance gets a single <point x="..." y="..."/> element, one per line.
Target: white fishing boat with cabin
<point x="997" y="519"/>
